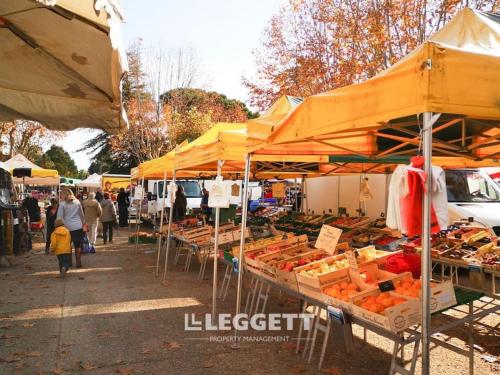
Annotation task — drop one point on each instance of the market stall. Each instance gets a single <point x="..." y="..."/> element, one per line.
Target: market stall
<point x="423" y="103"/>
<point x="26" y="172"/>
<point x="94" y="181"/>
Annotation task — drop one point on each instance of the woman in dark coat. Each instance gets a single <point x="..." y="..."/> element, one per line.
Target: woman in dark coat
<point x="50" y="218"/>
<point x="180" y="204"/>
<point x="123" y="203"/>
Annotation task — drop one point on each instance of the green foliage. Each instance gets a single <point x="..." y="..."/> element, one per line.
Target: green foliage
<point x="62" y="161"/>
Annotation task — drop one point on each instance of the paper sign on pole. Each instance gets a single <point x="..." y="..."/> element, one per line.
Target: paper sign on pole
<point x="218" y="195"/>
<point x="235" y="190"/>
<point x="279" y="190"/>
<point x="138" y="194"/>
<point x="171" y="189"/>
<point x="328" y="238"/>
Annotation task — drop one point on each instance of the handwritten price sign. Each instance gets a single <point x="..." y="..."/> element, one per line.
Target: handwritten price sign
<point x="328" y="238"/>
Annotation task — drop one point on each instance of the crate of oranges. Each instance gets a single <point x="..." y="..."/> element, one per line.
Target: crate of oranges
<point x="442" y="293"/>
<point x="342" y="293"/>
<point x="386" y="309"/>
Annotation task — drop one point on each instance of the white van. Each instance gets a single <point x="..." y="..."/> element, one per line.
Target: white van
<point x="191" y="188"/>
<point x="472" y="194"/>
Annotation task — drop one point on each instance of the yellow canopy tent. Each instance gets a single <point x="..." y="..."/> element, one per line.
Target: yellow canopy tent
<point x="443" y="97"/>
<point x="455" y="73"/>
<point x="28" y="173"/>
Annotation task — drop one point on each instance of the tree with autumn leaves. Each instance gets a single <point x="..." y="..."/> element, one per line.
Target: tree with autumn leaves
<point x="312" y="46"/>
<point x="163" y="109"/>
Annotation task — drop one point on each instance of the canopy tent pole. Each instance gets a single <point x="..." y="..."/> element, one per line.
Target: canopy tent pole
<point x="244" y="211"/>
<point x="161" y="222"/>
<point x="170" y="218"/>
<point x="216" y="248"/>
<point x="296" y="194"/>
<point x="138" y="221"/>
<point x="429" y="121"/>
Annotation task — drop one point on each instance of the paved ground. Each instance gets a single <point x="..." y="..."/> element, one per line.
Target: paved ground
<point x="114" y="317"/>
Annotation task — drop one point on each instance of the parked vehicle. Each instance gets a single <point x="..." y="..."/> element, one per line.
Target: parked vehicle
<point x="472" y="194"/>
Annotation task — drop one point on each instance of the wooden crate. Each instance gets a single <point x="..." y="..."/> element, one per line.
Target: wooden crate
<point x="395" y="318"/>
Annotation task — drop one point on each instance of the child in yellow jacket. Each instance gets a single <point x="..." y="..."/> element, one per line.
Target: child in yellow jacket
<point x="60" y="244"/>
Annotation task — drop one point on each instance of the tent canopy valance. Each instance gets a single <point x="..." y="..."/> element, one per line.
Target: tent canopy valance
<point x="26" y="172"/>
<point x="92" y="181"/>
<point x="455" y="73"/>
<point x="229" y="142"/>
<point x="62" y="63"/>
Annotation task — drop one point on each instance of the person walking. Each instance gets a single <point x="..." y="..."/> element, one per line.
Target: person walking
<point x="180" y="204"/>
<point x="123" y="203"/>
<point x="60" y="244"/>
<point x="50" y="221"/>
<point x="108" y="218"/>
<point x="205" y="209"/>
<point x="92" y="210"/>
<point x="71" y="212"/>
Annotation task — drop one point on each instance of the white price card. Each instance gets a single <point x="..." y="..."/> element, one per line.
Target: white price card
<point x="328" y="239"/>
<point x="351" y="259"/>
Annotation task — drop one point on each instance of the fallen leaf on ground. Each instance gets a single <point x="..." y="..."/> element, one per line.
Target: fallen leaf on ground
<point x="6" y="336"/>
<point x="146" y="351"/>
<point x="289" y="346"/>
<point x="87" y="366"/>
<point x="58" y="371"/>
<point x="331" y="370"/>
<point x="172" y="345"/>
<point x="208" y="364"/>
<point x="297" y="370"/>
<point x="10" y="359"/>
<point x="34" y="354"/>
<point x="125" y="370"/>
<point x="28" y="325"/>
<point x="106" y="334"/>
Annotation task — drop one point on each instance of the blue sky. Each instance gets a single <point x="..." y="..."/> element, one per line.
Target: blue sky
<point x="222" y="32"/>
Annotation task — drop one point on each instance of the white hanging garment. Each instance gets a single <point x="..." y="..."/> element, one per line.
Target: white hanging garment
<point x="439" y="196"/>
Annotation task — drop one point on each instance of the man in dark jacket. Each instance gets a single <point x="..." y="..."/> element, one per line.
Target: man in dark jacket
<point x="123" y="203"/>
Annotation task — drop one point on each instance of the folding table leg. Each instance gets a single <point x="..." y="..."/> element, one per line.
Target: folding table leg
<point x="325" y="341"/>
<point x="310" y="332"/>
<point x="250" y="294"/>
<point x="301" y="327"/>
<point x="471" y="339"/>
<point x="254" y="295"/>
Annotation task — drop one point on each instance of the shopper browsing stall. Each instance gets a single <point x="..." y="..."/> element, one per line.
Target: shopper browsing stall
<point x="93" y="211"/>
<point x="108" y="218"/>
<point x="123" y="203"/>
<point x="70" y="210"/>
<point x="50" y="217"/>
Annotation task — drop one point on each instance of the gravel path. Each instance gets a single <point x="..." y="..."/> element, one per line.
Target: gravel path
<point x="114" y="317"/>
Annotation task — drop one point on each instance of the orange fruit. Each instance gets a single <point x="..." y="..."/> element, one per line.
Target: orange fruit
<point x="371" y="299"/>
<point x="352" y="287"/>
<point x="406" y="285"/>
<point x="387" y="302"/>
<point x="344" y="285"/>
<point x="400" y="290"/>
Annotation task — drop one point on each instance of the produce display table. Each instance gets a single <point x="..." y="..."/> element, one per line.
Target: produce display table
<point x="465" y="297"/>
<point x="451" y="268"/>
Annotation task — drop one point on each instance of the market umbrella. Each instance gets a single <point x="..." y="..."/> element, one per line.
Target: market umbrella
<point x="62" y="63"/>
